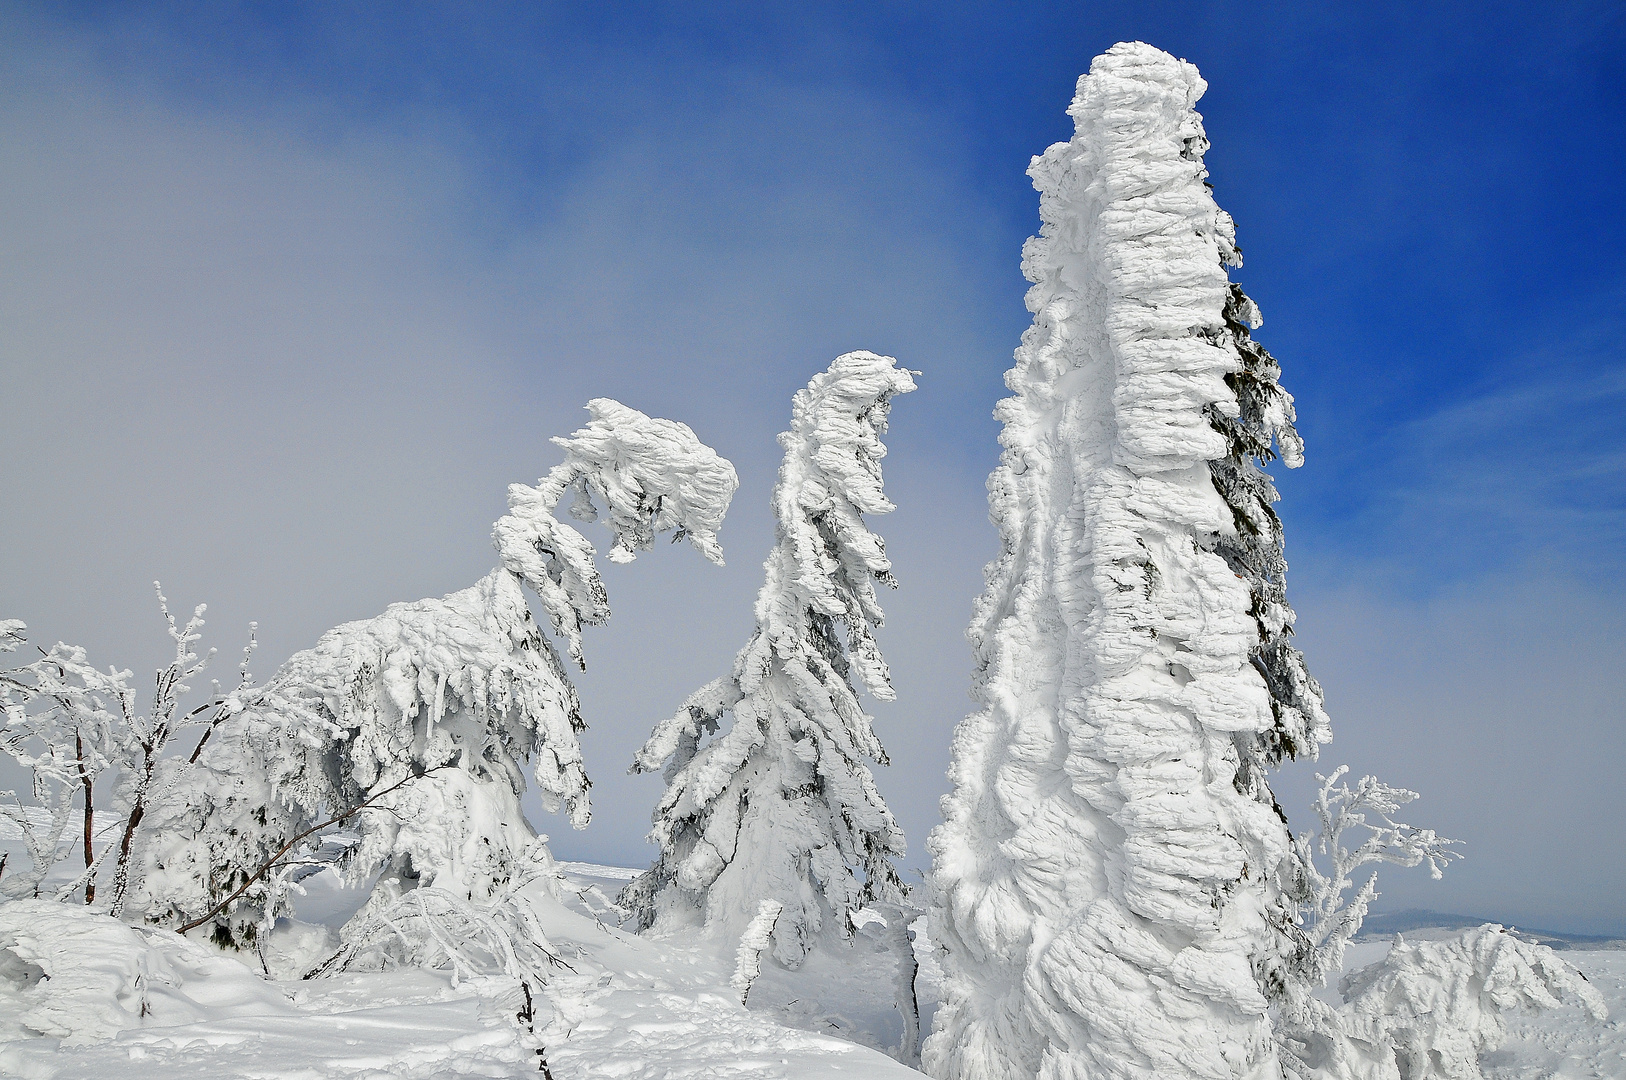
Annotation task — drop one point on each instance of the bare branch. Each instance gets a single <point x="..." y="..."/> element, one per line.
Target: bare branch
<point x="271" y="862"/>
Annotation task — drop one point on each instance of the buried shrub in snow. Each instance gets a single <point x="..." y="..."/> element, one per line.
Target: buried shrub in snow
<point x="1428" y="1011"/>
<point x="782" y="806"/>
<point x="80" y="975"/>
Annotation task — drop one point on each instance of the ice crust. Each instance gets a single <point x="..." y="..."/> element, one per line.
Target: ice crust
<point x="1101" y="877"/>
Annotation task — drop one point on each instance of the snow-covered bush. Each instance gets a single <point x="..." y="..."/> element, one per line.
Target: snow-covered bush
<point x="494" y="934"/>
<point x="1427" y="1011"/>
<point x="71" y="724"/>
<point x="440" y="702"/>
<point x="782" y="806"/>
<point x="1105" y="880"/>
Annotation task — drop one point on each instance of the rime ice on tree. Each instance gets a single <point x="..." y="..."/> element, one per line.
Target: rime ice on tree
<point x="1105" y="877"/>
<point x="464" y="689"/>
<point x="782" y="807"/>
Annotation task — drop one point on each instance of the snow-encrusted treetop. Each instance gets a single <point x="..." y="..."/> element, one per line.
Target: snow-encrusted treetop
<point x="652" y="475"/>
<point x="1102" y="877"/>
<point x="390" y="681"/>
<point x="782" y="807"/>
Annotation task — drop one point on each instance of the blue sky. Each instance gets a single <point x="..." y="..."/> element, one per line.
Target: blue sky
<point x="289" y="293"/>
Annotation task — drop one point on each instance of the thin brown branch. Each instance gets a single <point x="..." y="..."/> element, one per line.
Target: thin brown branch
<point x="266" y="866"/>
<point x="90" y="814"/>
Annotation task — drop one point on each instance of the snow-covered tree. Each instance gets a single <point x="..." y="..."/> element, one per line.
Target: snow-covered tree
<point x="781" y="807"/>
<point x="439" y="703"/>
<point x="1105" y="881"/>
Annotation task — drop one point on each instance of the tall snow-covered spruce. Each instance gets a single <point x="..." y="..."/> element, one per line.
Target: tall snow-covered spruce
<point x="1107" y="882"/>
<point x="782" y="807"/>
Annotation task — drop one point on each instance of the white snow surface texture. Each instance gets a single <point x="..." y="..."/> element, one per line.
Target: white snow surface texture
<point x="1103" y="878"/>
<point x="84" y="996"/>
<point x="782" y="806"/>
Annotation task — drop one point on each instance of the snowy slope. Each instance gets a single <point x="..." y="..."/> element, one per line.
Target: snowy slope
<point x="631" y="1008"/>
<point x="628" y="1008"/>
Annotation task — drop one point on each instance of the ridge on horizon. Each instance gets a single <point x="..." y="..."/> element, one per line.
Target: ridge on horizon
<point x="1408" y="920"/>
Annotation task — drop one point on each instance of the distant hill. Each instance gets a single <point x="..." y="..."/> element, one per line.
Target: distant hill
<point x="1420" y="922"/>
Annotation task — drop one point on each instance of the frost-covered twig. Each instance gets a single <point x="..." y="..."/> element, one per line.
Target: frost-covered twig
<point x="245" y="679"/>
<point x="597" y="904"/>
<point x="153" y="731"/>
<point x="1313" y="1036"/>
<point x="43" y="846"/>
<point x="1331" y="921"/>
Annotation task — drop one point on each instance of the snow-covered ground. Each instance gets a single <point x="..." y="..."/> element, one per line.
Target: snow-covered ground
<point x="627" y="1007"/>
<point x="1566" y="1043"/>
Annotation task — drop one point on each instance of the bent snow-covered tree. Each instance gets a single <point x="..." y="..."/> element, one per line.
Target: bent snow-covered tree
<point x="782" y="807"/>
<point x="1106" y="880"/>
<point x="457" y="693"/>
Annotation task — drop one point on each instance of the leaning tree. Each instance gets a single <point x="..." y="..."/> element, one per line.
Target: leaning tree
<point x="419" y="724"/>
